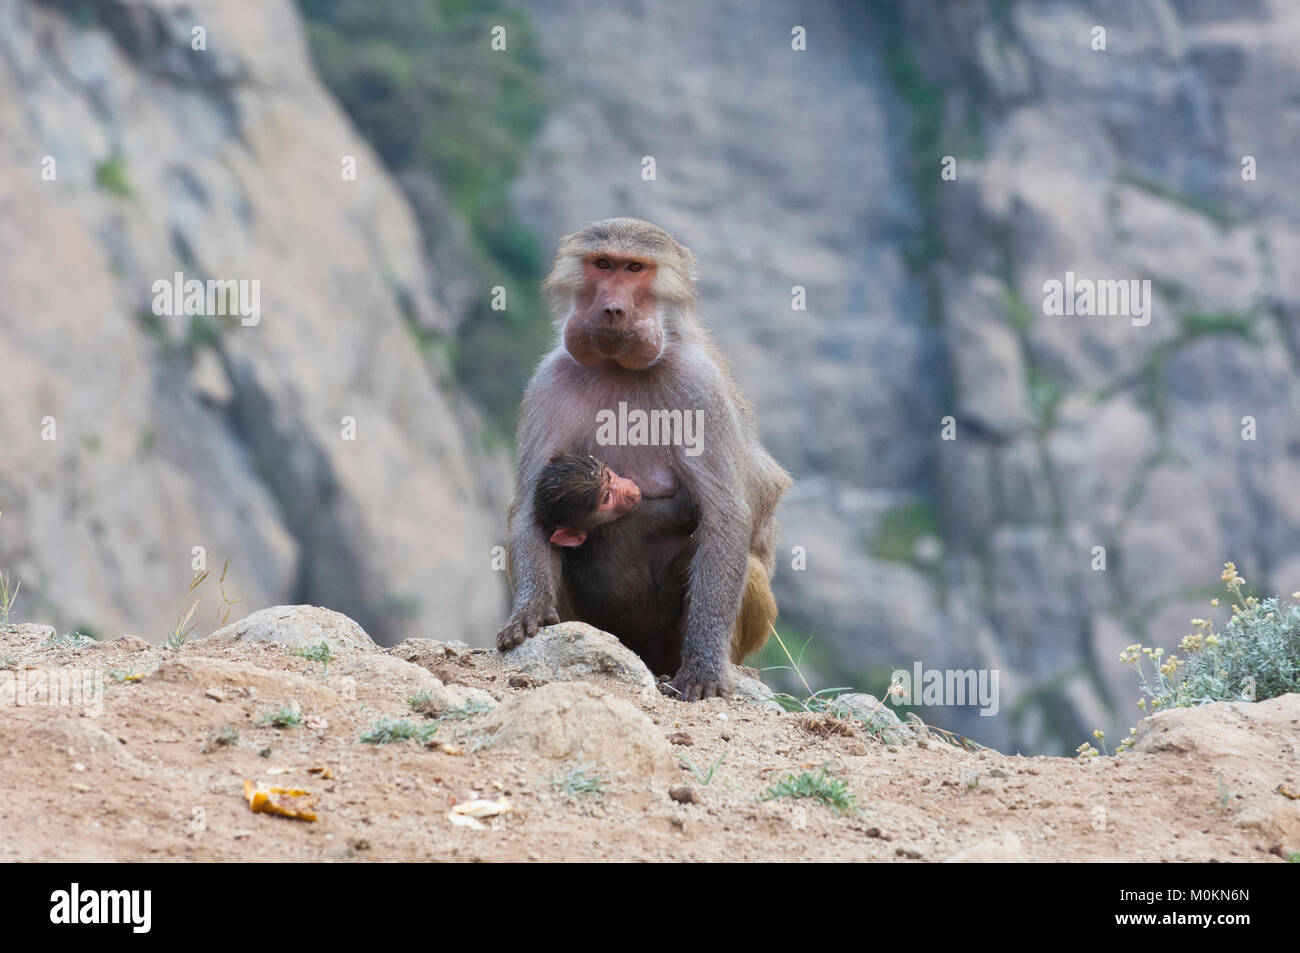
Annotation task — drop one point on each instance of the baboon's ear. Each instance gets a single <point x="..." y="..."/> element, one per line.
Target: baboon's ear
<point x="568" y="537"/>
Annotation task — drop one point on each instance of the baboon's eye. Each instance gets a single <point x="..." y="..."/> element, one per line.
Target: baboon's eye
<point x="634" y="266"/>
<point x="603" y="263"/>
<point x="607" y="498"/>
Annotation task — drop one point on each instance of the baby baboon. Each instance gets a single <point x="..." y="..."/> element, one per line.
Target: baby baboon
<point x="633" y="575"/>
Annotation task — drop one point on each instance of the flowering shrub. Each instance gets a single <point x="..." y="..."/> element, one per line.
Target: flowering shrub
<point x="1255" y="656"/>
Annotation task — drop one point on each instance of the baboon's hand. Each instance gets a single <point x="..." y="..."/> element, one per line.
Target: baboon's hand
<point x="694" y="681"/>
<point x="524" y="623"/>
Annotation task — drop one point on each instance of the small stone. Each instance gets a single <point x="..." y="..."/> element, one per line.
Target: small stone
<point x="575" y="651"/>
<point x="128" y="643"/>
<point x="683" y="794"/>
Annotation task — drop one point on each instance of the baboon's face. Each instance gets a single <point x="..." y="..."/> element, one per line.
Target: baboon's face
<point x="615" y="316"/>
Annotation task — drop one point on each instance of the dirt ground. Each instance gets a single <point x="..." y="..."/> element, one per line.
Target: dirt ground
<point x="144" y="779"/>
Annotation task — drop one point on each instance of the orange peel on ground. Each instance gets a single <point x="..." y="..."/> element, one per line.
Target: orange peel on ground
<point x="286" y="802"/>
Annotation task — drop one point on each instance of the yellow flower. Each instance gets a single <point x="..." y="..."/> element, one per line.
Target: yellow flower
<point x="1099" y="734"/>
<point x="1214" y="602"/>
<point x="1229" y="575"/>
<point x="1142" y="703"/>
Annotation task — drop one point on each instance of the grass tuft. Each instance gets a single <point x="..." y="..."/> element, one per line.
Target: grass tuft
<point x="8" y="592"/>
<point x="580" y="781"/>
<point x="387" y="730"/>
<point x="822" y="786"/>
<point x="320" y="652"/>
<point x="287" y="716"/>
<point x="706" y="776"/>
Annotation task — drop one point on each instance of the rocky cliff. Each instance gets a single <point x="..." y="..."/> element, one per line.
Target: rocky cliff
<point x="175" y="432"/>
<point x="823" y="169"/>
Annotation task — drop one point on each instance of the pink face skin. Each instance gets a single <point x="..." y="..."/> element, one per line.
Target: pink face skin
<point x="615" y="317"/>
<point x="618" y="497"/>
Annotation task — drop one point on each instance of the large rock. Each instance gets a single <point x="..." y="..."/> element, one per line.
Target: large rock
<point x="222" y="164"/>
<point x="1243" y="732"/>
<point x="1244" y="749"/>
<point x="1072" y="433"/>
<point x="924" y="299"/>
<point x="577" y="722"/>
<point x="298" y="627"/>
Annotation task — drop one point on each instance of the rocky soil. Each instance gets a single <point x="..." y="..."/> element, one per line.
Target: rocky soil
<point x="155" y="768"/>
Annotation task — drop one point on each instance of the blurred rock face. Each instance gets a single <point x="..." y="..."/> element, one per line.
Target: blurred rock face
<point x="926" y="299"/>
<point x="820" y="169"/>
<point x="172" y="433"/>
